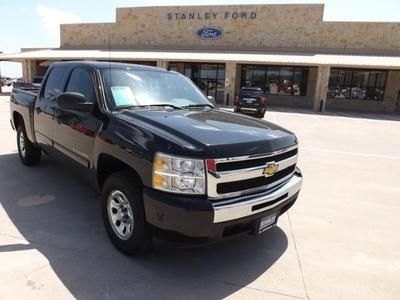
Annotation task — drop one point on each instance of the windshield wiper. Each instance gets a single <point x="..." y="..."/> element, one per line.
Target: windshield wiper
<point x="167" y="105"/>
<point x="198" y="105"/>
<point x="121" y="107"/>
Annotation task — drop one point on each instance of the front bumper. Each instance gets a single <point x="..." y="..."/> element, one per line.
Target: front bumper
<point x="200" y="218"/>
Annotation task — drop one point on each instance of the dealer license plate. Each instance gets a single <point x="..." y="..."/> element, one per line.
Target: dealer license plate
<point x="266" y="223"/>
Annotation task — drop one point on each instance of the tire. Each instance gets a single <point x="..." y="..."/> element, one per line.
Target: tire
<point x="261" y="113"/>
<point x="123" y="214"/>
<point x="28" y="152"/>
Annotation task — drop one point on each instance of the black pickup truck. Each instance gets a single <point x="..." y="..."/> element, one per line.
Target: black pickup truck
<point x="167" y="161"/>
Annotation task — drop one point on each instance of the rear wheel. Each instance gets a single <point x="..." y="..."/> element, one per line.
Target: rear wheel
<point x="123" y="214"/>
<point x="261" y="113"/>
<point x="28" y="152"/>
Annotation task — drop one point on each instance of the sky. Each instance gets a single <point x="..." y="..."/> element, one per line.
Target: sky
<point x="30" y="23"/>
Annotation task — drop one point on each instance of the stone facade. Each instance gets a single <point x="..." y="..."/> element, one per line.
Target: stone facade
<point x="246" y="27"/>
<point x="263" y="28"/>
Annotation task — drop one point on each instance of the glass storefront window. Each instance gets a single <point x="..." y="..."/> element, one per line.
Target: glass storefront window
<point x="276" y="79"/>
<point x="357" y="84"/>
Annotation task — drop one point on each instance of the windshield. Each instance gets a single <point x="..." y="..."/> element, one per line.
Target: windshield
<point x="137" y="88"/>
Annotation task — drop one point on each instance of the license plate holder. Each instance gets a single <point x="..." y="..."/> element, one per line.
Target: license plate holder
<point x="249" y="100"/>
<point x="267" y="222"/>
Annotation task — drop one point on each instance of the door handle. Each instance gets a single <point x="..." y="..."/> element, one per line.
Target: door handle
<point x="38" y="110"/>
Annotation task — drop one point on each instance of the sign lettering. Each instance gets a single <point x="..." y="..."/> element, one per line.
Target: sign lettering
<point x="227" y="15"/>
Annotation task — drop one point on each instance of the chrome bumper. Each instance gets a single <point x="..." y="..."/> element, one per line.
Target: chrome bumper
<point x="249" y="108"/>
<point x="235" y="209"/>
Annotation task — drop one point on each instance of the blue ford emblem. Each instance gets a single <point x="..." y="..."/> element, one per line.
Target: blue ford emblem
<point x="210" y="33"/>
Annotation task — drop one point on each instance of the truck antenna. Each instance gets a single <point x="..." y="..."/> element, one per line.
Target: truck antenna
<point x="109" y="55"/>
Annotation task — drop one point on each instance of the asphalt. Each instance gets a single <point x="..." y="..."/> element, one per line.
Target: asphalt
<point x="339" y="241"/>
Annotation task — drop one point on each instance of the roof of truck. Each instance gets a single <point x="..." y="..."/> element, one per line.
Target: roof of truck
<point x="107" y="65"/>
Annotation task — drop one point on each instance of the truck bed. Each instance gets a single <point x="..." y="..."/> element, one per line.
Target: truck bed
<point x="21" y="105"/>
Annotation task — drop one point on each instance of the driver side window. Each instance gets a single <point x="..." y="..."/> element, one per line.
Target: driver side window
<point x="81" y="82"/>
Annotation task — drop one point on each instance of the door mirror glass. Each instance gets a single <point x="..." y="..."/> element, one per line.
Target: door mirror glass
<point x="74" y="101"/>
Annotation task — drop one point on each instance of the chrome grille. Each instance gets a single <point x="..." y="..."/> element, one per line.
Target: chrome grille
<point x="236" y="176"/>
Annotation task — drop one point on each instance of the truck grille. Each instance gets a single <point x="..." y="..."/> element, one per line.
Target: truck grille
<point x="251" y="163"/>
<point x="238" y="176"/>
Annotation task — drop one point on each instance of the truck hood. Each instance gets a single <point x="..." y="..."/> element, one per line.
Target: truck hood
<point x="214" y="132"/>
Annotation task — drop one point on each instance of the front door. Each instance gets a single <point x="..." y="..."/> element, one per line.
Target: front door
<point x="75" y="131"/>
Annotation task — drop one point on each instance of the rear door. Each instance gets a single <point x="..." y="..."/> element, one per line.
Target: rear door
<point x="75" y="131"/>
<point x="44" y="106"/>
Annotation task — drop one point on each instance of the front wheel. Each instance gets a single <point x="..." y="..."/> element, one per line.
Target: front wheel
<point x="123" y="214"/>
<point x="28" y="152"/>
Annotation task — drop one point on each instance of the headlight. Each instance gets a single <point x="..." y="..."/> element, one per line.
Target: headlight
<point x="178" y="174"/>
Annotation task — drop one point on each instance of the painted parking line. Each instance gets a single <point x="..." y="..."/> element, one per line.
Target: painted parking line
<point x="392" y="157"/>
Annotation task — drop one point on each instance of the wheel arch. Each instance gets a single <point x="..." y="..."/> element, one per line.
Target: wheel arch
<point x="108" y="164"/>
<point x="18" y="120"/>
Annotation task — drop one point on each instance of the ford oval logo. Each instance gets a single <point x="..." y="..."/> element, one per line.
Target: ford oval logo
<point x="210" y="33"/>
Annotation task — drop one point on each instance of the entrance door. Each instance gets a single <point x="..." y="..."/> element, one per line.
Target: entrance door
<point x="210" y="78"/>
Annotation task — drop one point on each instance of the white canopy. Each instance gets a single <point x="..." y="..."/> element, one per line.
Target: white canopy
<point x="290" y="58"/>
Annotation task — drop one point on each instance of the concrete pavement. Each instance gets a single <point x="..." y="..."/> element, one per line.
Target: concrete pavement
<point x="339" y="241"/>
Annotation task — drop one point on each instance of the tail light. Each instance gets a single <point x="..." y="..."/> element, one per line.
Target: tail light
<point x="237" y="100"/>
<point x="263" y="100"/>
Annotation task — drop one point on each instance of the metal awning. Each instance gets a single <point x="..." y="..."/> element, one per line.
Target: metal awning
<point x="289" y="58"/>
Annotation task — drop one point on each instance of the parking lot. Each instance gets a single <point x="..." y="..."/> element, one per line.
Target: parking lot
<point x="339" y="241"/>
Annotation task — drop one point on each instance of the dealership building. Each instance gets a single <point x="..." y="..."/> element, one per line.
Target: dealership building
<point x="299" y="59"/>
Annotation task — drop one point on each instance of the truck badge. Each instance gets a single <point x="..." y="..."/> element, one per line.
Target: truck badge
<point x="271" y="169"/>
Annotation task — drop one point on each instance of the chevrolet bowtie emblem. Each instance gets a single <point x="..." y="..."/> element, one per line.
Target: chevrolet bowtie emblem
<point x="271" y="169"/>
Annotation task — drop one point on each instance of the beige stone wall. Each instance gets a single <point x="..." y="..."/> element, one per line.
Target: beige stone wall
<point x="275" y="26"/>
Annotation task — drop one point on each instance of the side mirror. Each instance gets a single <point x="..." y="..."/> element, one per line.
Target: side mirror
<point x="212" y="100"/>
<point x="74" y="101"/>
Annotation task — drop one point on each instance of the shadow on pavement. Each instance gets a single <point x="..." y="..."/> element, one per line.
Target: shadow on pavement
<point x="59" y="215"/>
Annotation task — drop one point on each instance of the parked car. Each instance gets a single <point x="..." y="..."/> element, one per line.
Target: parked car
<point x="167" y="161"/>
<point x="30" y="86"/>
<point x="7" y="81"/>
<point x="251" y="99"/>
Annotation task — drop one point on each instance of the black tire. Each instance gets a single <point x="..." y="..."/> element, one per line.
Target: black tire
<point x="261" y="113"/>
<point x="140" y="239"/>
<point x="28" y="152"/>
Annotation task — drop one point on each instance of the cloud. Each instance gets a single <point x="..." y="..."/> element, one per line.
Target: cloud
<point x="53" y="17"/>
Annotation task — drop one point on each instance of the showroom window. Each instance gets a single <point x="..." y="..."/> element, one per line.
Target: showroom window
<point x="276" y="79"/>
<point x="357" y="84"/>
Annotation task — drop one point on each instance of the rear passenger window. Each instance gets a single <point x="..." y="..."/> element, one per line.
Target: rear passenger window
<point x="81" y="82"/>
<point x="54" y="83"/>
